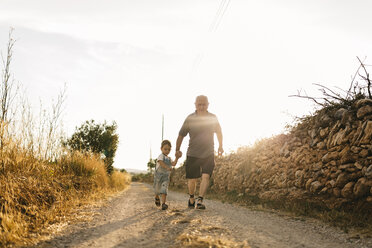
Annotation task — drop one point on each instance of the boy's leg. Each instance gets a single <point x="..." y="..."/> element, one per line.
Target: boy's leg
<point x="157" y="189"/>
<point x="164" y="191"/>
<point x="156" y="185"/>
<point x="157" y="200"/>
<point x="164" y="206"/>
<point x="164" y="188"/>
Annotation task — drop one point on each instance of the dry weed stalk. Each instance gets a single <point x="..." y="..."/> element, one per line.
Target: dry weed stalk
<point x="8" y="91"/>
<point x="40" y="134"/>
<point x="332" y="98"/>
<point x="54" y="125"/>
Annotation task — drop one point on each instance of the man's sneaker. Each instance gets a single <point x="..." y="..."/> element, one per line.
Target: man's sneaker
<point x="164" y="206"/>
<point x="157" y="201"/>
<point x="199" y="204"/>
<point x="191" y="205"/>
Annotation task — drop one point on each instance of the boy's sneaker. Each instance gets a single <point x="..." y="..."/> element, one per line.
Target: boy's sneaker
<point x="199" y="204"/>
<point x="164" y="206"/>
<point x="191" y="205"/>
<point x="157" y="202"/>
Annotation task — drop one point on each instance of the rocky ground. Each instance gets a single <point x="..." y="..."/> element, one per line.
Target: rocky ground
<point x="131" y="219"/>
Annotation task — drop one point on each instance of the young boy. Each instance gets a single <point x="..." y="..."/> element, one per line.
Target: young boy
<point x="162" y="174"/>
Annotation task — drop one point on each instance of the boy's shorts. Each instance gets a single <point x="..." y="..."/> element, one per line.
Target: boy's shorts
<point x="195" y="167"/>
<point x="161" y="181"/>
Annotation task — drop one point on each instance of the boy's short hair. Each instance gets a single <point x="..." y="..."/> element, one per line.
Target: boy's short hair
<point x="165" y="142"/>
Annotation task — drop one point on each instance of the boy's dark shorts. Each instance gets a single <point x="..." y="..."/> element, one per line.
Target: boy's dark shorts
<point x="195" y="167"/>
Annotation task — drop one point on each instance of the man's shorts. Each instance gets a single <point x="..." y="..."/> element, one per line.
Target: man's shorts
<point x="195" y="167"/>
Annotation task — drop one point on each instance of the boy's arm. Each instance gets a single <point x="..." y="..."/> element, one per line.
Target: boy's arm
<point x="162" y="164"/>
<point x="175" y="162"/>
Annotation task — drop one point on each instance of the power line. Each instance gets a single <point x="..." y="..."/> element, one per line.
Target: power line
<point x="217" y="16"/>
<point x="197" y="61"/>
<point x="223" y="13"/>
<point x="224" y="4"/>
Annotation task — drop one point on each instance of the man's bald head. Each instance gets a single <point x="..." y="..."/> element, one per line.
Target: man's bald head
<point x="201" y="104"/>
<point x="201" y="98"/>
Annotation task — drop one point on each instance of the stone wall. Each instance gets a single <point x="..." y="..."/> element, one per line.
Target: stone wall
<point x="326" y="158"/>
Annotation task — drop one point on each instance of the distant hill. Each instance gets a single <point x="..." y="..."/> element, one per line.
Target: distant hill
<point x="135" y="171"/>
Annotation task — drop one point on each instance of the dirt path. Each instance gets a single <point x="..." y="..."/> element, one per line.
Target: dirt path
<point x="133" y="220"/>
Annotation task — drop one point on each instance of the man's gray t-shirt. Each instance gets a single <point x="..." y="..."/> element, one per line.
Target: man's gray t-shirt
<point x="201" y="129"/>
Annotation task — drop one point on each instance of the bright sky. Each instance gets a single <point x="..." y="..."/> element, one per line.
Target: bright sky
<point x="132" y="61"/>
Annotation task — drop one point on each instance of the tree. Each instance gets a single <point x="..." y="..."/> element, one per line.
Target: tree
<point x="97" y="138"/>
<point x="151" y="164"/>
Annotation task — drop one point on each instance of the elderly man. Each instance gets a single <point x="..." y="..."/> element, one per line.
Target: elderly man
<point x="201" y="126"/>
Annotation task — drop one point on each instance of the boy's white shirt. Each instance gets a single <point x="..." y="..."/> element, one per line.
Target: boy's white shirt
<point x="161" y="158"/>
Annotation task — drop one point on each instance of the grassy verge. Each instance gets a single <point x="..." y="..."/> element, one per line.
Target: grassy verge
<point x="36" y="194"/>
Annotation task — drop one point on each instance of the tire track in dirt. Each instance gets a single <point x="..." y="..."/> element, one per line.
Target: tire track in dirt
<point x="131" y="219"/>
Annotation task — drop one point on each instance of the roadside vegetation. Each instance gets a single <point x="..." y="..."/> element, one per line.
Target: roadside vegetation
<point x="45" y="176"/>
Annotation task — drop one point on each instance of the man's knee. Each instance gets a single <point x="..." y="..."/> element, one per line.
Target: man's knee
<point x="205" y="176"/>
<point x="193" y="180"/>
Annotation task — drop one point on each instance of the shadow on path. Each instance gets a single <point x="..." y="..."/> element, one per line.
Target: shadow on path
<point x="82" y="235"/>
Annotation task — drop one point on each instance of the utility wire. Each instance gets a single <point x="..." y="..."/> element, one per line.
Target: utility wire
<point x="224" y="4"/>
<point x="217" y="16"/>
<point x="223" y="13"/>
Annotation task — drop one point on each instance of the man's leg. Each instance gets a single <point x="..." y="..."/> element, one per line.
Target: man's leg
<point x="202" y="190"/>
<point x="207" y="170"/>
<point x="191" y="183"/>
<point x="204" y="184"/>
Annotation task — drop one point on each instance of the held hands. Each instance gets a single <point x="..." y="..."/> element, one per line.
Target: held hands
<point x="178" y="154"/>
<point x="220" y="151"/>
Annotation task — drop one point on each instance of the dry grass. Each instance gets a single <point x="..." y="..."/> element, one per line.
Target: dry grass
<point x="119" y="180"/>
<point x="200" y="241"/>
<point x="35" y="194"/>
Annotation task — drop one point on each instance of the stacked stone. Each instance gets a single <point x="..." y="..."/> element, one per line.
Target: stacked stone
<point x="327" y="157"/>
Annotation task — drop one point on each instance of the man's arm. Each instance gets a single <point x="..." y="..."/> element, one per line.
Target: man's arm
<point x="178" y="146"/>
<point x="220" y="140"/>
